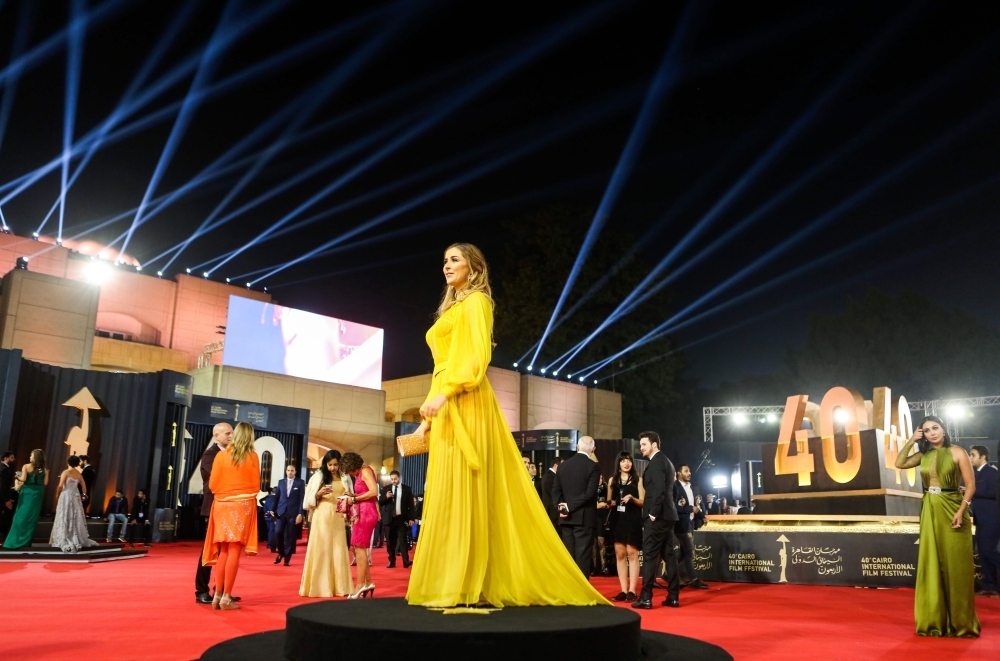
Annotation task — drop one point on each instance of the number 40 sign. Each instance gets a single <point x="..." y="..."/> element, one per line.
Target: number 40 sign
<point x="843" y="411"/>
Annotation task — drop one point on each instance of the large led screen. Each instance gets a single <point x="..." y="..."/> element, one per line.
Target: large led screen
<point x="272" y="338"/>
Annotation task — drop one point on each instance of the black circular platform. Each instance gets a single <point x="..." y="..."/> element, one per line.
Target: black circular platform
<point x="314" y="631"/>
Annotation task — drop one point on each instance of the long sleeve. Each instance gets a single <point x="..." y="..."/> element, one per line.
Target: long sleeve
<point x="678" y="494"/>
<point x="471" y="345"/>
<point x="312" y="488"/>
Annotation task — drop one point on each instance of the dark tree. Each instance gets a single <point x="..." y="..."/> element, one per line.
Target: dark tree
<point x="540" y="253"/>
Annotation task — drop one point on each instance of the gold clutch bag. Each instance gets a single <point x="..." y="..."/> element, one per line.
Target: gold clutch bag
<point x="410" y="444"/>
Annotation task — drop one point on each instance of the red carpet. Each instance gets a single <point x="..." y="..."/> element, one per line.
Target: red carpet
<point x="145" y="609"/>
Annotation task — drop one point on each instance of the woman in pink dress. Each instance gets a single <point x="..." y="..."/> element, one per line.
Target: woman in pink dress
<point x="364" y="513"/>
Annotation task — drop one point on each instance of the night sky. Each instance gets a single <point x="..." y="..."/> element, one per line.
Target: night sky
<point x="889" y="111"/>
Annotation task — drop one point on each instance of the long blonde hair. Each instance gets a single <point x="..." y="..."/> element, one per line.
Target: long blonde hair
<point x="242" y="444"/>
<point x="479" y="277"/>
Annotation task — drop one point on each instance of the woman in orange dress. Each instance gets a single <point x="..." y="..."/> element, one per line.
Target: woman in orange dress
<point x="232" y="524"/>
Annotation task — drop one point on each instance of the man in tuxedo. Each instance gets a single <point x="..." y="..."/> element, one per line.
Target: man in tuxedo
<point x="222" y="434"/>
<point x="659" y="515"/>
<point x="288" y="514"/>
<point x="574" y="490"/>
<point x="686" y="512"/>
<point x="710" y="505"/>
<point x="535" y="480"/>
<point x="7" y="493"/>
<point x="547" y="481"/>
<point x="396" y="501"/>
<point x="987" y="518"/>
<point x="89" y="477"/>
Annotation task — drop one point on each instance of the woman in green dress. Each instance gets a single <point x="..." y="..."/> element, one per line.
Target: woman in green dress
<point x="945" y="598"/>
<point x="34" y="479"/>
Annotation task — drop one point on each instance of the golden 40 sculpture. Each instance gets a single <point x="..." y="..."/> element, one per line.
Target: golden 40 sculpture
<point x="842" y="411"/>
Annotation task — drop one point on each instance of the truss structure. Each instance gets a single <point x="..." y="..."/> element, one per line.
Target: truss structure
<point x="929" y="407"/>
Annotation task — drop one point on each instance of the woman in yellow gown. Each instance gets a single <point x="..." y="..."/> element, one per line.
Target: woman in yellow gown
<point x="485" y="537"/>
<point x="327" y="568"/>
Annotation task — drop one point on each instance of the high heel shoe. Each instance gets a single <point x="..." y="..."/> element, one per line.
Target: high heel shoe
<point x="359" y="594"/>
<point x="226" y="604"/>
<point x="216" y="600"/>
<point x="370" y="590"/>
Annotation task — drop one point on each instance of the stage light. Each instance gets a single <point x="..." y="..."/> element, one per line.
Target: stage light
<point x="841" y="416"/>
<point x="771" y="417"/>
<point x="530" y="368"/>
<point x="515" y="365"/>
<point x="719" y="482"/>
<point x="556" y="373"/>
<point x="595" y="382"/>
<point x="955" y="411"/>
<point x="227" y="280"/>
<point x="34" y="235"/>
<point x="740" y="419"/>
<point x="188" y="270"/>
<point x="159" y="274"/>
<point x="569" y="376"/>
<point x="581" y="379"/>
<point x="248" y="285"/>
<point x="205" y="274"/>
<point x="543" y="370"/>
<point x="97" y="273"/>
<point x="138" y="268"/>
<point x="58" y="242"/>
<point x="265" y="288"/>
<point x="22" y="263"/>
<point x="6" y="230"/>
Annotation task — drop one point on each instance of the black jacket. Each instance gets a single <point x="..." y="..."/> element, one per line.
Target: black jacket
<point x="116" y="506"/>
<point x="576" y="485"/>
<point x="658" y="481"/>
<point x="547" y="481"/>
<point x="388" y="505"/>
<point x="684" y="511"/>
<point x="6" y="482"/>
<point x="207" y="458"/>
<point x="140" y="507"/>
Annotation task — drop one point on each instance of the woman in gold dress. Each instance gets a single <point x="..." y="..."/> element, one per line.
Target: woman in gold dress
<point x="486" y="538"/>
<point x="327" y="568"/>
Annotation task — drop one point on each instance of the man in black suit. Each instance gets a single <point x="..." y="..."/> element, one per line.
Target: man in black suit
<point x="574" y="490"/>
<point x="222" y="434"/>
<point x="89" y="477"/>
<point x="686" y="512"/>
<point x="987" y="518"/>
<point x="547" y="481"/>
<point x="7" y="493"/>
<point x="288" y="514"/>
<point x="659" y="515"/>
<point x="396" y="501"/>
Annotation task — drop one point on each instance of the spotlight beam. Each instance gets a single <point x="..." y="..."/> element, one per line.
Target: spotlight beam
<point x="549" y="40"/>
<point x="647" y="290"/>
<point x="98" y="136"/>
<point x="310" y="101"/>
<point x="537" y="135"/>
<point x="661" y="83"/>
<point x="74" y="58"/>
<point x="206" y="68"/>
<point x="798" y="302"/>
<point x="804" y="121"/>
<point x="479" y="211"/>
<point x="25" y="22"/>
<point x="867" y="191"/>
<point x="469" y="175"/>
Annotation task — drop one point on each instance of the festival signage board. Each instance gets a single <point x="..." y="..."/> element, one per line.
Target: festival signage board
<point x="807" y="558"/>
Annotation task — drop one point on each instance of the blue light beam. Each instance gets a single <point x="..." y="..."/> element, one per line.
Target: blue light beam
<point x="74" y="59"/>
<point x="661" y="83"/>
<point x="548" y="41"/>
<point x="756" y="170"/>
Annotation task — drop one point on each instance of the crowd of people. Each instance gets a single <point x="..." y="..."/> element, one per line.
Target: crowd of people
<point x="22" y="493"/>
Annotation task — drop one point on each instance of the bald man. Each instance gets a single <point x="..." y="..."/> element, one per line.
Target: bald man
<point x="575" y="493"/>
<point x="222" y="434"/>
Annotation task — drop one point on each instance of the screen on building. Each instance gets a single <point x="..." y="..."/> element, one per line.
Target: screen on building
<point x="272" y="338"/>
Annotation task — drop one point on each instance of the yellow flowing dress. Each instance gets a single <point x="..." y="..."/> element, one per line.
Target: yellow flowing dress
<point x="485" y="532"/>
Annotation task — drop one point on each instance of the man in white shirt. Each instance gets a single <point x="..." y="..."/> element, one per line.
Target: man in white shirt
<point x="396" y="501"/>
<point x="686" y="509"/>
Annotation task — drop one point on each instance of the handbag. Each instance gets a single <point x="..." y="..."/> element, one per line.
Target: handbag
<point x="411" y="444"/>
